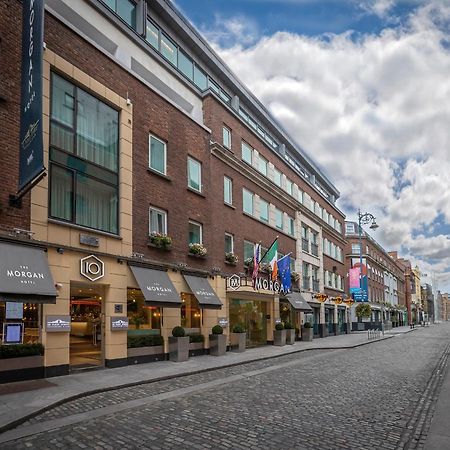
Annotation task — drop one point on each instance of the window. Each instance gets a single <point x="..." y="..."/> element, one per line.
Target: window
<point x="194" y="174"/>
<point x="315" y="276"/>
<point x="247" y="153"/>
<point x="291" y="226"/>
<point x="168" y="49"/>
<point x="229" y="243"/>
<point x="349" y="227"/>
<point x="228" y="190"/>
<point x="150" y="315"/>
<point x="226" y="137"/>
<point x="195" y="233"/>
<point x="289" y="186"/>
<point x="248" y="201"/>
<point x="200" y="79"/>
<point x="264" y="210"/>
<point x="305" y="239"/>
<point x="185" y="65"/>
<point x="314" y="243"/>
<point x="249" y="248"/>
<point x="157" y="154"/>
<point x="277" y="177"/>
<point x="356" y="248"/>
<point x="279" y="218"/>
<point x="190" y="311"/>
<point x="306" y="277"/>
<point x="84" y="150"/>
<point x="125" y="9"/>
<point x="152" y="35"/>
<point x="158" y="221"/>
<point x="263" y="165"/>
<point x="301" y="196"/>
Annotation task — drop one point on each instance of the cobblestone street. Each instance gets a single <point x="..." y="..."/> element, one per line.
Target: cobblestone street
<point x="378" y="396"/>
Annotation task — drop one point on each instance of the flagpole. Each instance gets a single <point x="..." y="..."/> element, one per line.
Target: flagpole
<point x="271" y="245"/>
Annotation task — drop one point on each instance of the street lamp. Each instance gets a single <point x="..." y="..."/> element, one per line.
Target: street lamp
<point x="365" y="219"/>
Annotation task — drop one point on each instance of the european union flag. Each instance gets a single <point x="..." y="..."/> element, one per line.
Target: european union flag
<point x="284" y="273"/>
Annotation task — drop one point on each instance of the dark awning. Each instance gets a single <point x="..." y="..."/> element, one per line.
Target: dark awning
<point x="298" y="302"/>
<point x="156" y="287"/>
<point x="203" y="292"/>
<point x="24" y="275"/>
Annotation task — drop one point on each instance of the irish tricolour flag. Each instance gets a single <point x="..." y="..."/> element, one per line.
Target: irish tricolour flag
<point x="272" y="258"/>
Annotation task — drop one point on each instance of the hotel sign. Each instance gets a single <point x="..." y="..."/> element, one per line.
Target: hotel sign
<point x="119" y="323"/>
<point x="57" y="324"/>
<point x="31" y="164"/>
<point x="235" y="282"/>
<point x="92" y="268"/>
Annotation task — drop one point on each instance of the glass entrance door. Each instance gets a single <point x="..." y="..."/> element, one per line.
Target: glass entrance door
<point x="86" y="334"/>
<point x="251" y="314"/>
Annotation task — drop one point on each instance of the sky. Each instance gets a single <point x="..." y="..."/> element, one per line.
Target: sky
<point x="363" y="86"/>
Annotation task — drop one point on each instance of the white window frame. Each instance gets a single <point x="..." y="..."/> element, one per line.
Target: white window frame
<point x="262" y="160"/>
<point x="244" y="144"/>
<point x="261" y="201"/>
<point x="277" y="210"/>
<point x="226" y="131"/>
<point x="275" y="171"/>
<point x="230" y="190"/>
<point x="150" y="137"/>
<point x="244" y="190"/>
<point x="232" y="241"/>
<point x="190" y="158"/>
<point x="158" y="211"/>
<point x="289" y="186"/>
<point x="193" y="222"/>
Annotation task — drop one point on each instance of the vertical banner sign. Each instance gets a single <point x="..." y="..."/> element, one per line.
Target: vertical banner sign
<point x="353" y="275"/>
<point x="31" y="167"/>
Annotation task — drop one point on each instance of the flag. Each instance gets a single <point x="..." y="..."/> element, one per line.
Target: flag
<point x="256" y="260"/>
<point x="272" y="256"/>
<point x="284" y="272"/>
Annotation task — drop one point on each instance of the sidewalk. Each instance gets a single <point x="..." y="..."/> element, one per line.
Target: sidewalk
<point x="31" y="397"/>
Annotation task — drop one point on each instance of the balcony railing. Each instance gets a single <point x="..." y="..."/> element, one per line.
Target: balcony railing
<point x="306" y="283"/>
<point x="305" y="245"/>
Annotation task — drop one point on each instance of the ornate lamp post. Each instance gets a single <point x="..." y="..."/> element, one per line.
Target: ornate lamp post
<point x="365" y="219"/>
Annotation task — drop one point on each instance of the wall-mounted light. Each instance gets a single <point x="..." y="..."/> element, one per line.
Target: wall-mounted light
<point x="60" y="250"/>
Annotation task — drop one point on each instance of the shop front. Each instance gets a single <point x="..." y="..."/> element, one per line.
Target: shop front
<point x="292" y="305"/>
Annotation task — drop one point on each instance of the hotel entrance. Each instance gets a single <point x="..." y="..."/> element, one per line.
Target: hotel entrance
<point x="86" y="334"/>
<point x="252" y="316"/>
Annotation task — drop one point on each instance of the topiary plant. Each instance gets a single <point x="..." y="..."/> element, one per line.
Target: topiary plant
<point x="279" y="326"/>
<point x="363" y="310"/>
<point x="178" y="332"/>
<point x="307" y="325"/>
<point x="238" y="329"/>
<point x="217" y="329"/>
<point x="288" y="326"/>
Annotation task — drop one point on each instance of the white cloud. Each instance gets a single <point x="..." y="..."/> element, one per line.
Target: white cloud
<point x="375" y="113"/>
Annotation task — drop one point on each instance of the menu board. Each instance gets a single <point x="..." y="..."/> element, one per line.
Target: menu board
<point x="14" y="310"/>
<point x="12" y="333"/>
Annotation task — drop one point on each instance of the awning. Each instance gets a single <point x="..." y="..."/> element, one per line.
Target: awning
<point x="203" y="292"/>
<point x="156" y="287"/>
<point x="298" y="302"/>
<point x="24" y="275"/>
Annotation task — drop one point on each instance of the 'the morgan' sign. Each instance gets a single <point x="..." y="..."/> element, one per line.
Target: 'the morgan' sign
<point x="235" y="282"/>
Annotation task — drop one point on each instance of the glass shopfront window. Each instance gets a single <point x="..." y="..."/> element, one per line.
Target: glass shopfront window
<point x="27" y="314"/>
<point x="287" y="313"/>
<point x="146" y="319"/>
<point x="190" y="311"/>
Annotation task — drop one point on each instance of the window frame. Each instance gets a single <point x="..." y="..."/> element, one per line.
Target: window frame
<point x="157" y="210"/>
<point x="200" y="226"/>
<point x="276" y="219"/>
<point x="261" y="200"/>
<point x="226" y="132"/>
<point x="150" y="137"/>
<point x="230" y="180"/>
<point x="231" y="236"/>
<point x="244" y="191"/>
<point x="265" y="162"/>
<point x="196" y="161"/>
<point x="249" y="147"/>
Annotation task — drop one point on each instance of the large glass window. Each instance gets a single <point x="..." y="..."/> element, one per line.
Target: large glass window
<point x="195" y="233"/>
<point x="83" y="158"/>
<point x="152" y="35"/>
<point x="247" y="153"/>
<point x="157" y="154"/>
<point x="168" y="49"/>
<point x="248" y="201"/>
<point x="263" y="210"/>
<point x="185" y="65"/>
<point x="194" y="174"/>
<point x="125" y="9"/>
<point x="158" y="221"/>
<point x="200" y="78"/>
<point x="146" y="319"/>
<point x="190" y="311"/>
<point x="228" y="190"/>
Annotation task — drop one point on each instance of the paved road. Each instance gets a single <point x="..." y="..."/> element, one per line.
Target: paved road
<point x="379" y="396"/>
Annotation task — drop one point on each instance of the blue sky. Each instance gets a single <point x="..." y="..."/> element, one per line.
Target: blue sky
<point x="363" y="87"/>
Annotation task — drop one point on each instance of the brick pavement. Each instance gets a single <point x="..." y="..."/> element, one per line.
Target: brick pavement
<point x="374" y="396"/>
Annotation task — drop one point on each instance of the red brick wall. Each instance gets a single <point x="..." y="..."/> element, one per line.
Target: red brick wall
<point x="10" y="59"/>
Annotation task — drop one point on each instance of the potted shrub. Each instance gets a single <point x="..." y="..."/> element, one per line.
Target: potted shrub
<point x="178" y="345"/>
<point x="196" y="344"/>
<point x="17" y="360"/>
<point x="290" y="333"/>
<point x="160" y="240"/>
<point x="231" y="258"/>
<point x="217" y="341"/>
<point x="238" y="338"/>
<point x="279" y="335"/>
<point x="307" y="332"/>
<point x="145" y="348"/>
<point x="197" y="250"/>
<point x="137" y="320"/>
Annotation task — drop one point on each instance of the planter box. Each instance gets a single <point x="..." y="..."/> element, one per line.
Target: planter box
<point x="139" y="355"/>
<point x="290" y="337"/>
<point x="21" y="369"/>
<point x="217" y="344"/>
<point x="178" y="348"/>
<point x="238" y="342"/>
<point x="307" y="334"/>
<point x="279" y="338"/>
<point x="167" y="248"/>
